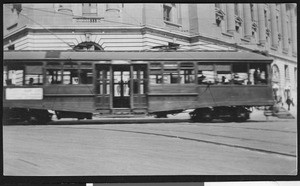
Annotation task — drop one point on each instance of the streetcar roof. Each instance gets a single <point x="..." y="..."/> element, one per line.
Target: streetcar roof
<point x="134" y="56"/>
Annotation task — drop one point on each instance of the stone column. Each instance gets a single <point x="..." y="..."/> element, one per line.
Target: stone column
<point x="230" y="18"/>
<point x="285" y="34"/>
<point x="293" y="13"/>
<point x="274" y="31"/>
<point x="247" y="21"/>
<point x="261" y="24"/>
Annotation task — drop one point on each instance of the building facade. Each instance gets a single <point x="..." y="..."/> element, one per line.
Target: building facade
<point x="265" y="28"/>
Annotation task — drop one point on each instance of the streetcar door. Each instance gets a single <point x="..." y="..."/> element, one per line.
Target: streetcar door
<point x="102" y="86"/>
<point x="139" y="86"/>
<point x="121" y="91"/>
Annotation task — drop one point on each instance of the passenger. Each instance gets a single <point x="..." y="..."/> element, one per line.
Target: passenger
<point x="256" y="76"/>
<point x="9" y="82"/>
<point x="237" y="79"/>
<point x="31" y="81"/>
<point x="225" y="80"/>
<point x="201" y="78"/>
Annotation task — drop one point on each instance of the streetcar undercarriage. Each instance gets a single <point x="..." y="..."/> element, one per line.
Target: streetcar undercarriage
<point x="233" y="113"/>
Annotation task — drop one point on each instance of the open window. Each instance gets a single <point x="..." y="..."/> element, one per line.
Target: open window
<point x="155" y="73"/>
<point x="86" y="73"/>
<point x="258" y="73"/>
<point x="54" y="73"/>
<point x="223" y="73"/>
<point x="187" y="73"/>
<point x="171" y="75"/>
<point x="206" y="74"/>
<point x="240" y="74"/>
<point x="20" y="74"/>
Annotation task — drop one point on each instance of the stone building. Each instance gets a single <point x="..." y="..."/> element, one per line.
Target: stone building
<point x="264" y="28"/>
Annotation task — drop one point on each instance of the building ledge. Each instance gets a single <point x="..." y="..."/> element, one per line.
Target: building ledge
<point x="88" y="19"/>
<point x="172" y="24"/>
<point x="227" y="34"/>
<point x="246" y="40"/>
<point x="12" y="26"/>
<point x="274" y="48"/>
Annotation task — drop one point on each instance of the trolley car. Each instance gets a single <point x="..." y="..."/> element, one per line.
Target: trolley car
<point x="222" y="85"/>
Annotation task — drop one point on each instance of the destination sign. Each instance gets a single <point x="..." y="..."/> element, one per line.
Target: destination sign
<point x="24" y="93"/>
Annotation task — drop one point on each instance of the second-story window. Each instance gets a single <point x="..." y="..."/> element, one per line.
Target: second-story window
<point x="266" y="18"/>
<point x="89" y="9"/>
<point x="169" y="11"/>
<point x="252" y="11"/>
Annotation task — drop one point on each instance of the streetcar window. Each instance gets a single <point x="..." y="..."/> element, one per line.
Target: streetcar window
<point x="86" y="76"/>
<point x="34" y="74"/>
<point x="206" y="73"/>
<point x="5" y="80"/>
<point x="70" y="76"/>
<point x="258" y="73"/>
<point x="155" y="73"/>
<point x="70" y="73"/>
<point x="14" y="75"/>
<point x="240" y="74"/>
<point x="171" y="74"/>
<point x="86" y="73"/>
<point x="187" y="73"/>
<point x="54" y="76"/>
<point x="139" y="73"/>
<point x="223" y="73"/>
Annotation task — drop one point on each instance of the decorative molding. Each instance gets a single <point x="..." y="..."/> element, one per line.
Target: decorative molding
<point x="220" y="14"/>
<point x="279" y="37"/>
<point x="88" y="19"/>
<point x="268" y="32"/>
<point x="254" y="26"/>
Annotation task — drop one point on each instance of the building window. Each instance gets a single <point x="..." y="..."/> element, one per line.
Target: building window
<point x="252" y="11"/>
<point x="278" y="28"/>
<point x="286" y="72"/>
<point x="89" y="9"/>
<point x="88" y="46"/>
<point x="220" y="15"/>
<point x="266" y="18"/>
<point x="169" y="12"/>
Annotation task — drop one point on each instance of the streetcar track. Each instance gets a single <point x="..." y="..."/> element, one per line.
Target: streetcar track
<point x="272" y="130"/>
<point x="199" y="140"/>
<point x="206" y="141"/>
<point x="223" y="136"/>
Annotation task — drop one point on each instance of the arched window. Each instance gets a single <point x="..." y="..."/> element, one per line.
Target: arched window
<point x="88" y="46"/>
<point x="275" y="74"/>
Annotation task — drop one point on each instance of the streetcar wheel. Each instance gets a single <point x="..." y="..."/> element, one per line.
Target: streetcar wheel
<point x="241" y="115"/>
<point x="202" y="115"/>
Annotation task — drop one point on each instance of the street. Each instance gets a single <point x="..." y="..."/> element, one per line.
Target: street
<point x="256" y="147"/>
